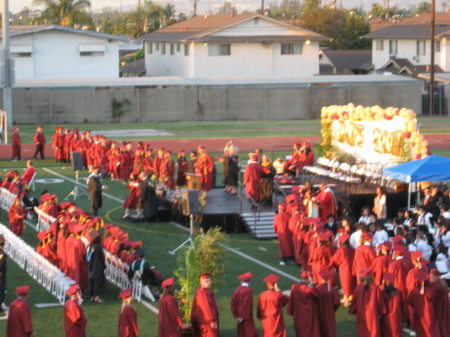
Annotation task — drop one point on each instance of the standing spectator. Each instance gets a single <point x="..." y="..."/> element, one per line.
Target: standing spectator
<point x="230" y="169"/>
<point x="128" y="316"/>
<point x="95" y="188"/>
<point x="39" y="141"/>
<point x="379" y="207"/>
<point x="425" y="218"/>
<point x="16" y="144"/>
<point x="3" y="270"/>
<point x="19" y="317"/>
<point x="252" y="177"/>
<point x="285" y="240"/>
<point x="242" y="307"/>
<point x="147" y="198"/>
<point x="205" y="313"/>
<point x="270" y="308"/>
<point x="169" y="320"/>
<point x="74" y="319"/>
<point x="96" y="267"/>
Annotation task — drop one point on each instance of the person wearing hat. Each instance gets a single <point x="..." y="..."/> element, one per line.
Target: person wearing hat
<point x="94" y="189"/>
<point x="132" y="200"/>
<point x="321" y="257"/>
<point x="242" y="307"/>
<point x="204" y="166"/>
<point x="16" y="144"/>
<point x="343" y="260"/>
<point x="230" y="168"/>
<point x="169" y="320"/>
<point x="74" y="319"/>
<point x="96" y="267"/>
<point x="381" y="263"/>
<point x="39" y="141"/>
<point x="364" y="255"/>
<point x="147" y="198"/>
<point x="149" y="277"/>
<point x="367" y="305"/>
<point x="303" y="307"/>
<point x="76" y="256"/>
<point x="422" y="299"/>
<point x="270" y="308"/>
<point x="329" y="302"/>
<point x="19" y="315"/>
<point x="396" y="313"/>
<point x="285" y="239"/>
<point x="3" y="270"/>
<point x="167" y="170"/>
<point x="205" y="313"/>
<point x="128" y="316"/>
<point x="16" y="214"/>
<point x="252" y="177"/>
<point x="442" y="303"/>
<point x="400" y="267"/>
<point x="182" y="165"/>
<point x="327" y="202"/>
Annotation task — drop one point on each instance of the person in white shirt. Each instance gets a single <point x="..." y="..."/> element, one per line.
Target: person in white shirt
<point x="444" y="212"/>
<point x="364" y="215"/>
<point x="380" y="235"/>
<point x="355" y="238"/>
<point x="379" y="207"/>
<point x="425" y="218"/>
<point x="421" y="244"/>
<point x="442" y="235"/>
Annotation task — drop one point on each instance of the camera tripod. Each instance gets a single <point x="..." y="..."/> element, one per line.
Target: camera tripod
<point x="78" y="190"/>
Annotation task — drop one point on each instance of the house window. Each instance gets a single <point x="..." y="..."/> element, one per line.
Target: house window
<point x="437" y="46"/>
<point x="291" y="48"/>
<point x="223" y="49"/>
<point x="178" y="47"/>
<point x="172" y="49"/>
<point x="91" y="53"/>
<point x="163" y="48"/>
<point x="91" y="49"/>
<point x="186" y="49"/>
<point x="157" y="46"/>
<point x="393" y="47"/>
<point x="379" y="44"/>
<point x="21" y="50"/>
<point x="149" y="46"/>
<point x="420" y="47"/>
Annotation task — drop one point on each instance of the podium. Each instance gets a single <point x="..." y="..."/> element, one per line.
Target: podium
<point x="194" y="181"/>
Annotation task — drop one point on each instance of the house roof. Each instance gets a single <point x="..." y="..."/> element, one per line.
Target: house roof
<point x="19" y="30"/>
<point x="135" y="68"/>
<point x="200" y="28"/>
<point x="346" y="61"/>
<point x="403" y="31"/>
<point x="404" y="66"/>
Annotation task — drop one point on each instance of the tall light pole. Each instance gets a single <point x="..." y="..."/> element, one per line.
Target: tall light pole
<point x="432" y="22"/>
<point x="7" y="92"/>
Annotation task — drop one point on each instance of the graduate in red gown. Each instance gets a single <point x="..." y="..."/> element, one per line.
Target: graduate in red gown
<point x="242" y="307"/>
<point x="76" y="256"/>
<point x="182" y="168"/>
<point x="167" y="170"/>
<point x="74" y="319"/>
<point x="29" y="172"/>
<point x="423" y="299"/>
<point x="381" y="263"/>
<point x="204" y="165"/>
<point x="205" y="313"/>
<point x="392" y="321"/>
<point x="16" y="214"/>
<point x="270" y="309"/>
<point x="252" y="177"/>
<point x="442" y="304"/>
<point x="303" y="307"/>
<point x="327" y="202"/>
<point x="281" y="228"/>
<point x="321" y="257"/>
<point x="343" y="260"/>
<point x="368" y="306"/>
<point x="134" y="191"/>
<point x="128" y="316"/>
<point x="400" y="267"/>
<point x="364" y="255"/>
<point x="16" y="144"/>
<point x="39" y="141"/>
<point x="157" y="162"/>
<point x="329" y="303"/>
<point x="169" y="320"/>
<point x="19" y="316"/>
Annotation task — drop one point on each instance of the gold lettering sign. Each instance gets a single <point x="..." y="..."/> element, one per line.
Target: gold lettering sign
<point x="350" y="133"/>
<point x="388" y="142"/>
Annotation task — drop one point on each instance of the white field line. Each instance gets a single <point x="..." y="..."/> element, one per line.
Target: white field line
<point x="47" y="305"/>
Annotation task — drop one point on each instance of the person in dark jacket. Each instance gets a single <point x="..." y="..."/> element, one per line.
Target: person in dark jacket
<point x="2" y="274"/>
<point x="96" y="267"/>
<point x="148" y="198"/>
<point x="150" y="279"/>
<point x="94" y="189"/>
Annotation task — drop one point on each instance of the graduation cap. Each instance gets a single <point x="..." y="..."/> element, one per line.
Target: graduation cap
<point x="94" y="234"/>
<point x="22" y="290"/>
<point x="416" y="255"/>
<point x="422" y="277"/>
<point x="126" y="293"/>
<point x="367" y="236"/>
<point x="167" y="282"/>
<point x="343" y="238"/>
<point x="304" y="274"/>
<point x="397" y="239"/>
<point x="323" y="236"/>
<point x="245" y="277"/>
<point x="282" y="206"/>
<point x="41" y="235"/>
<point x="365" y="271"/>
<point x="389" y="277"/>
<point x="435" y="272"/>
<point x="399" y="249"/>
<point x="204" y="276"/>
<point x="325" y="274"/>
<point x="272" y="278"/>
<point x="73" y="289"/>
<point x="290" y="198"/>
<point x="140" y="252"/>
<point x="387" y="245"/>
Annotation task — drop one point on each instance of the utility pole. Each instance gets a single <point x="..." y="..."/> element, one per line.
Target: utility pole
<point x="7" y="82"/>
<point x="195" y="7"/>
<point x="262" y="7"/>
<point x="433" y="19"/>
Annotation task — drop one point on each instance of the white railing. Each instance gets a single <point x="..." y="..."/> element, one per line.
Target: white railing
<point x="41" y="270"/>
<point x="6" y="198"/>
<point x="44" y="220"/>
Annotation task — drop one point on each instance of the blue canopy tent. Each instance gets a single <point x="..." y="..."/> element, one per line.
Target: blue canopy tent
<point x="432" y="168"/>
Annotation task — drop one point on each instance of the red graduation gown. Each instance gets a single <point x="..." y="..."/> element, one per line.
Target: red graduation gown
<point x="411" y="281"/>
<point x="76" y="261"/>
<point x="61" y="252"/>
<point x="74" y="320"/>
<point x="128" y="322"/>
<point x="400" y="269"/>
<point x="320" y="258"/>
<point x="16" y="216"/>
<point x="169" y="321"/>
<point x="327" y="203"/>
<point x="252" y="178"/>
<point x="270" y="312"/>
<point x="205" y="167"/>
<point x="15" y="142"/>
<point x="364" y="257"/>
<point x="329" y="302"/>
<point x="281" y="227"/>
<point x="303" y="307"/>
<point x="425" y="319"/>
<point x="204" y="312"/>
<point x="392" y="322"/>
<point x="442" y="309"/>
<point x="380" y="266"/>
<point x="343" y="259"/>
<point x="368" y="306"/>
<point x="19" y="319"/>
<point x="242" y="307"/>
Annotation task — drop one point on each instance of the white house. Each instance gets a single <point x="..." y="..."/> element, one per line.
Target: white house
<point x="55" y="52"/>
<point x="243" y="45"/>
<point x="410" y="40"/>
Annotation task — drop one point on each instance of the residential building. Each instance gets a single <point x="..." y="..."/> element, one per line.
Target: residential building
<point x="243" y="45"/>
<point x="345" y="62"/>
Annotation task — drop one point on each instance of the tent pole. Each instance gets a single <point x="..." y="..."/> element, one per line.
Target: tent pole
<point x="409" y="195"/>
<point x="418" y="194"/>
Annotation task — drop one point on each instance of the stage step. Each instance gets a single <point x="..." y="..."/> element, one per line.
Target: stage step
<point x="260" y="225"/>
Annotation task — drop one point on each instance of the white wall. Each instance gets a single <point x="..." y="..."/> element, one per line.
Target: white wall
<point x="157" y="64"/>
<point x="56" y="56"/>
<point x="444" y="60"/>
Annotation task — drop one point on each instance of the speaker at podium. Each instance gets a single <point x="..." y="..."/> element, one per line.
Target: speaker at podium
<point x="189" y="202"/>
<point x="75" y="161"/>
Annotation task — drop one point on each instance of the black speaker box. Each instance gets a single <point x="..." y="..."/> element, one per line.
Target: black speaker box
<point x="189" y="202"/>
<point x="75" y="161"/>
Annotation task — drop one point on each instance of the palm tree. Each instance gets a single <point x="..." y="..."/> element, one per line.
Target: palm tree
<point x="66" y="12"/>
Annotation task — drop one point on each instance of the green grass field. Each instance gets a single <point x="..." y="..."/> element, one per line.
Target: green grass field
<point x="159" y="238"/>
